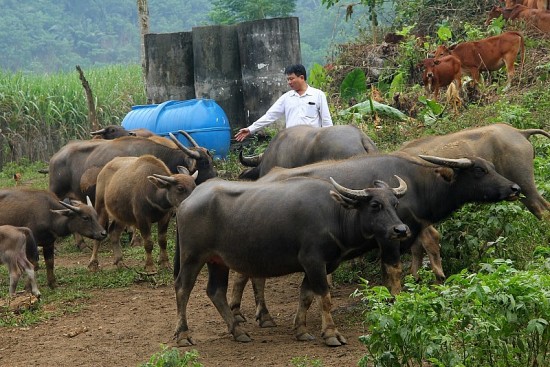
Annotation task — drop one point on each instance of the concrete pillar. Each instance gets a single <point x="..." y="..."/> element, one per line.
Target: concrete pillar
<point x="169" y="65"/>
<point x="217" y="69"/>
<point x="266" y="47"/>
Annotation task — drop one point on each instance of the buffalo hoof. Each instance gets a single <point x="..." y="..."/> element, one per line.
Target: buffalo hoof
<point x="267" y="323"/>
<point x="243" y="338"/>
<point x="93" y="266"/>
<point x="239" y="317"/>
<point x="334" y="341"/>
<point x="305" y="337"/>
<point x="165" y="265"/>
<point x="185" y="341"/>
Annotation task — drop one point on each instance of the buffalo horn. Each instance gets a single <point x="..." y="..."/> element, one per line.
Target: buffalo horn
<point x="250" y="161"/>
<point x="69" y="206"/>
<point x="448" y="162"/>
<point x="402" y="189"/>
<point x="191" y="140"/>
<point x="168" y="179"/>
<point x="189" y="152"/>
<point x="88" y="201"/>
<point x="349" y="193"/>
<point x="98" y="132"/>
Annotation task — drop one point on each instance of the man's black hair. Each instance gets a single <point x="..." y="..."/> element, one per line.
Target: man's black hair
<point x="297" y="69"/>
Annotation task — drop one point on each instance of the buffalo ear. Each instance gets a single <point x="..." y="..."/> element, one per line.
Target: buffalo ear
<point x="158" y="183"/>
<point x="344" y="201"/>
<point x="65" y="212"/>
<point x="446" y="173"/>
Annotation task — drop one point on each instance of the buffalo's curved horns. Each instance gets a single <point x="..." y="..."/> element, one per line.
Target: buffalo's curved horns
<point x="402" y="189"/>
<point x="191" y="140"/>
<point x="250" y="161"/>
<point x="98" y="132"/>
<point x="168" y="179"/>
<point x="88" y="201"/>
<point x="350" y="193"/>
<point x="448" y="162"/>
<point x="189" y="152"/>
<point x="69" y="206"/>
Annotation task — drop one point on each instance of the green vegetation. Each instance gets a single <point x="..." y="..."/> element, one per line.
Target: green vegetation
<point x="493" y="310"/>
<point x="495" y="317"/>
<point x="171" y="357"/>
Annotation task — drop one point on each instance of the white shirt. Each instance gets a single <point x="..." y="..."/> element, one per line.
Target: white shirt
<point x="311" y="109"/>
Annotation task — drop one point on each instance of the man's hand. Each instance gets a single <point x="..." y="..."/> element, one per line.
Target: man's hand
<point x="242" y="134"/>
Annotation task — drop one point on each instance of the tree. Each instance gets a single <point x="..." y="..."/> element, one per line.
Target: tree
<point x="234" y="11"/>
<point x="371" y="4"/>
<point x="143" y="16"/>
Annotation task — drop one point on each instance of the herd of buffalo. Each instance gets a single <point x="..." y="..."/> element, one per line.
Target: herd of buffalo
<point x="314" y="198"/>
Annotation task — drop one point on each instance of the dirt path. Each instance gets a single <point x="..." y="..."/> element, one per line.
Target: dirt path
<point x="124" y="327"/>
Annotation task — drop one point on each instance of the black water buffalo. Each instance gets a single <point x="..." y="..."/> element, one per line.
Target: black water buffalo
<point x="74" y="168"/>
<point x="15" y="244"/>
<point x="511" y="152"/>
<point x="508" y="148"/>
<point x="301" y="145"/>
<point x="311" y="230"/>
<point x="48" y="218"/>
<point x="434" y="192"/>
<point x="137" y="192"/>
<point x="116" y="131"/>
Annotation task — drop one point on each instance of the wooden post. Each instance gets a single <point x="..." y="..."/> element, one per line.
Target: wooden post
<point x="92" y="116"/>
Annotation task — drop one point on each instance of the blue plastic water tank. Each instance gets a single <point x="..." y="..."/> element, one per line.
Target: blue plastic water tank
<point x="203" y="119"/>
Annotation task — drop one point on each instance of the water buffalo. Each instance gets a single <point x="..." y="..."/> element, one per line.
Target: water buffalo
<point x="74" y="168"/>
<point x="508" y="148"/>
<point x="301" y="145"/>
<point x="245" y="226"/>
<point x="511" y="152"/>
<point x="435" y="190"/>
<point x="15" y="244"/>
<point x="116" y="131"/>
<point x="137" y="192"/>
<point x="48" y="218"/>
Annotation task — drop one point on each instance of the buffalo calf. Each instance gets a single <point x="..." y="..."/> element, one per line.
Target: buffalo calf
<point x="137" y="192"/>
<point x="15" y="244"/>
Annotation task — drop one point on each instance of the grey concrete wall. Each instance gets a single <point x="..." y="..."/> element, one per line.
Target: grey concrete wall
<point x="218" y="69"/>
<point x="240" y="66"/>
<point x="266" y="47"/>
<point x="169" y="66"/>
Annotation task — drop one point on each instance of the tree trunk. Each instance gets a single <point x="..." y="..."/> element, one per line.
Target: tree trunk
<point x="143" y="15"/>
<point x="92" y="116"/>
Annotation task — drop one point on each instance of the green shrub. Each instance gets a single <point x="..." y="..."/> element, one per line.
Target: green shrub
<point x="171" y="357"/>
<point x="496" y="317"/>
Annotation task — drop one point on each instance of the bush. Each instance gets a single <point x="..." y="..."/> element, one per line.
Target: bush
<point x="172" y="358"/>
<point x="496" y="317"/>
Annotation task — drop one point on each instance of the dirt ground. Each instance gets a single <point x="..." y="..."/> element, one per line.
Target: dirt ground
<point x="124" y="327"/>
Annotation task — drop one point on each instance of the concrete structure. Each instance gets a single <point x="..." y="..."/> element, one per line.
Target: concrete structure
<point x="239" y="66"/>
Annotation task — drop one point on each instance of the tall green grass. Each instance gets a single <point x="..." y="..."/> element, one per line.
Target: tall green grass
<point x="41" y="113"/>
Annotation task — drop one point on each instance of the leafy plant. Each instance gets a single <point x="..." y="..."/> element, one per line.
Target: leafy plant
<point x="496" y="317"/>
<point x="318" y="77"/>
<point x="305" y="361"/>
<point x="171" y="357"/>
<point x="354" y="85"/>
<point x="362" y="109"/>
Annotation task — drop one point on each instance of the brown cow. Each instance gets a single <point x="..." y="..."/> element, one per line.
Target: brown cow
<point x="136" y="192"/>
<point x="440" y="73"/>
<point x="533" y="4"/>
<point x="15" y="243"/>
<point x="488" y="54"/>
<point x="536" y="18"/>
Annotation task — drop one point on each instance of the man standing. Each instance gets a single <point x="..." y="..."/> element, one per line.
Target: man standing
<point x="301" y="105"/>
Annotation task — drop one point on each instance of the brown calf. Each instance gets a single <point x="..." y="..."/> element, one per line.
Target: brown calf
<point x="488" y="54"/>
<point x="440" y="73"/>
<point x="15" y="243"/>
<point x="533" y="4"/>
<point x="536" y="18"/>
